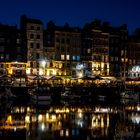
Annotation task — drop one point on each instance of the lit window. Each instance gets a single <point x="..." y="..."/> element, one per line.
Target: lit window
<point x="122" y="59"/>
<point x="122" y="52"/>
<point x="68" y="57"/>
<point x="78" y="57"/>
<point x="106" y="58"/>
<point x="130" y="61"/>
<point x="73" y="58"/>
<point x="62" y="57"/>
<point x="88" y="51"/>
<point x="1" y="56"/>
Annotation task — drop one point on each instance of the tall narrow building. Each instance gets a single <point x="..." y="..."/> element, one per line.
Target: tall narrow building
<point x="32" y="41"/>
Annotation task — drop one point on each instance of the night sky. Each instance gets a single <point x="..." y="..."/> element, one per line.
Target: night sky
<point x="74" y="12"/>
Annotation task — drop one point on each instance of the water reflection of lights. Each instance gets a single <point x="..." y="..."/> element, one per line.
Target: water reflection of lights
<point x="61" y="133"/>
<point x="80" y="115"/>
<point x="59" y="118"/>
<point x="138" y="108"/>
<point x="99" y="120"/>
<point x="67" y="132"/>
<point x="103" y="110"/>
<point x="80" y="123"/>
<point x="40" y="117"/>
<point x="27" y="119"/>
<point x="42" y="126"/>
<point x="136" y="119"/>
<point x="63" y="110"/>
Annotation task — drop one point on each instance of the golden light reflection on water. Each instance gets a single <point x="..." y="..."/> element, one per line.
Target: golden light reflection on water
<point x="69" y="121"/>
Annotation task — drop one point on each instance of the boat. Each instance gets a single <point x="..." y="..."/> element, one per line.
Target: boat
<point x="70" y="95"/>
<point x="6" y="94"/>
<point x="40" y="96"/>
<point x="129" y="94"/>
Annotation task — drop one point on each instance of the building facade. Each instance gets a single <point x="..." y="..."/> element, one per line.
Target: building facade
<point x="32" y="41"/>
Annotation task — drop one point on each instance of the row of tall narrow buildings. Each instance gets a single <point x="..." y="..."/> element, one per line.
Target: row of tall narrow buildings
<point x="96" y="49"/>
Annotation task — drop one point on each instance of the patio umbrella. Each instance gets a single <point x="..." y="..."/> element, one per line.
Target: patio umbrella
<point x="55" y="78"/>
<point x="38" y="77"/>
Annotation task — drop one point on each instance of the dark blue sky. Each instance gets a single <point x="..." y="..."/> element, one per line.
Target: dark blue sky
<point x="75" y="12"/>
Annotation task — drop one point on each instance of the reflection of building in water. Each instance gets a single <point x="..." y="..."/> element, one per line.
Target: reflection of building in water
<point x="64" y="122"/>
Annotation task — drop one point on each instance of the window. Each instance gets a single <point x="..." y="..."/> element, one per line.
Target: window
<point x="122" y="52"/>
<point x="111" y="58"/>
<point x="88" y="50"/>
<point x="1" y="48"/>
<point x="32" y="28"/>
<point x="106" y="58"/>
<point x="57" y="40"/>
<point x="31" y="45"/>
<point x="62" y="57"/>
<point x="38" y="37"/>
<point x="122" y="59"/>
<point x="1" y="56"/>
<point x="68" y="41"/>
<point x="102" y="57"/>
<point x="68" y="57"/>
<point x="31" y="36"/>
<point x="38" y="28"/>
<point x="38" y="45"/>
<point x="68" y="49"/>
<point x="78" y="57"/>
<point x="63" y="40"/>
<point x="116" y="58"/>
<point x="130" y="61"/>
<point x="73" y="57"/>
<point x="62" y="48"/>
<point x="37" y="56"/>
<point x="134" y="61"/>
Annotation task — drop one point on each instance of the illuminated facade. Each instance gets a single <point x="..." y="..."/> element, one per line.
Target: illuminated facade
<point x="99" y="48"/>
<point x="32" y="34"/>
<point x="118" y="51"/>
<point x="64" y="43"/>
<point x="95" y="51"/>
<point x="133" y="54"/>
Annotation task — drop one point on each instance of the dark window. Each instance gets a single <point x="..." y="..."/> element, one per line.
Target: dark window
<point x="38" y="28"/>
<point x="63" y="40"/>
<point x="68" y="49"/>
<point x="38" y="37"/>
<point x="62" y="49"/>
<point x="68" y="41"/>
<point x="31" y="45"/>
<point x="37" y="55"/>
<point x="31" y="64"/>
<point x="38" y="45"/>
<point x="57" y="40"/>
<point x="32" y="27"/>
<point x="31" y="36"/>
